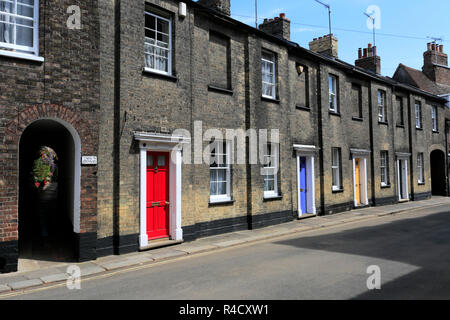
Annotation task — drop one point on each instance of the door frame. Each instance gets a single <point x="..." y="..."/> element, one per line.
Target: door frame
<point x="157" y="142"/>
<point x="308" y="152"/>
<point x="362" y="155"/>
<point x="403" y="157"/>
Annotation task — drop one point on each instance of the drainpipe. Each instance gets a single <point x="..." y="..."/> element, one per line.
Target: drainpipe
<point x="411" y="166"/>
<point x="372" y="164"/>
<point x="447" y="139"/>
<point x="116" y="138"/>
<point x="319" y="124"/>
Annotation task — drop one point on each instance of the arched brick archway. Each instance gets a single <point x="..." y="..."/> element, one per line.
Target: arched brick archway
<point x="85" y="125"/>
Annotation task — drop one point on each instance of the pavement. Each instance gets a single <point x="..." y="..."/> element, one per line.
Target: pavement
<point x="53" y="274"/>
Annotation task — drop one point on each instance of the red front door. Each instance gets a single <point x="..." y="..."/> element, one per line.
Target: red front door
<point x="157" y="195"/>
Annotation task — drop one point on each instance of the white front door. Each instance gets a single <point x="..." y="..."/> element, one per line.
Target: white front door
<point x="403" y="189"/>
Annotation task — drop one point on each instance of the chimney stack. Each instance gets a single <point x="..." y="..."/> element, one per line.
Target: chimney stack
<point x="279" y="27"/>
<point x="222" y="6"/>
<point x="434" y="59"/>
<point x="369" y="60"/>
<point x="325" y="46"/>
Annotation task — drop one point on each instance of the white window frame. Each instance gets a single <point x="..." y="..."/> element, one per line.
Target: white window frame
<point x="227" y="166"/>
<point x="274" y="155"/>
<point x="418" y="114"/>
<point x="272" y="84"/>
<point x="332" y="93"/>
<point x="336" y="168"/>
<point x="20" y="51"/>
<point x="169" y="61"/>
<point x="381" y="97"/>
<point x="420" y="171"/>
<point x="434" y="118"/>
<point x="384" y="167"/>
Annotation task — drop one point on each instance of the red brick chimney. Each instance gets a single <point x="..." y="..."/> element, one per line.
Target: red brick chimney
<point x="368" y="59"/>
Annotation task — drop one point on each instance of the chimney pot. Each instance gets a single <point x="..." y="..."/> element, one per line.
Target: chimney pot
<point x="429" y="46"/>
<point x="369" y="60"/>
<point x="282" y="15"/>
<point x="359" y="53"/>
<point x="441" y="48"/>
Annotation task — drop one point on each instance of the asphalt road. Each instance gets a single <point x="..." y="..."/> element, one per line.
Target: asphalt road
<point x="411" y="250"/>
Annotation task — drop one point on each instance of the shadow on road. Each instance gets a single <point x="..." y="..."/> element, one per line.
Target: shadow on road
<point x="423" y="242"/>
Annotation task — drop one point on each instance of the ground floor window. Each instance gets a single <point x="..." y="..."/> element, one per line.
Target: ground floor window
<point x="336" y="168"/>
<point x="384" y="167"/>
<point x="421" y="179"/>
<point x="220" y="171"/>
<point x="270" y="170"/>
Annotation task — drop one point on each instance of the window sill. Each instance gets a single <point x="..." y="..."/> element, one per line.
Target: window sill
<point x="149" y="72"/>
<point x="213" y="203"/>
<point x="384" y="123"/>
<point x="304" y="108"/>
<point x="338" y="190"/>
<point x="357" y="119"/>
<point x="18" y="55"/>
<point x="385" y="186"/>
<point x="420" y="129"/>
<point x="334" y="113"/>
<point x="272" y="198"/>
<point x="269" y="99"/>
<point x="401" y="126"/>
<point x="421" y="183"/>
<point x="435" y="131"/>
<point x="220" y="90"/>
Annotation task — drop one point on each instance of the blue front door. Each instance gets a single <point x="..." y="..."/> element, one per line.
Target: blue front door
<point x="303" y="190"/>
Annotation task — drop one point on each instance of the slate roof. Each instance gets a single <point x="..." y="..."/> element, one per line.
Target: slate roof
<point x="418" y="79"/>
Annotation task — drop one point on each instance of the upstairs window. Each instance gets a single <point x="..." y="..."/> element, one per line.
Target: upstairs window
<point x="434" y="118"/>
<point x="332" y="80"/>
<point x="158" y="43"/>
<point x="400" y="121"/>
<point x="357" y="100"/>
<point x="382" y="106"/>
<point x="268" y="75"/>
<point x="219" y="61"/>
<point x="418" y="113"/>
<point x="270" y="170"/>
<point x="19" y="23"/>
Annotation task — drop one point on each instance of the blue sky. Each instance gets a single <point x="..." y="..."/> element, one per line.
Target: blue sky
<point x="406" y="18"/>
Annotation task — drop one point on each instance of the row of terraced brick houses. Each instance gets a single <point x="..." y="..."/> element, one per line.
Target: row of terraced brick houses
<point x="131" y="100"/>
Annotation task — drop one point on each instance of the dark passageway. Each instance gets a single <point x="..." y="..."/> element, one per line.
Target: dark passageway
<point x="46" y="213"/>
<point x="438" y="175"/>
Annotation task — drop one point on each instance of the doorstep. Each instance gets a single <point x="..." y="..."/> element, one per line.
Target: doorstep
<point x="160" y="244"/>
<point x="307" y="216"/>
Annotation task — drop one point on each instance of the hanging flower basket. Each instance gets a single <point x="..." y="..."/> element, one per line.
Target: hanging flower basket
<point x="44" y="168"/>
